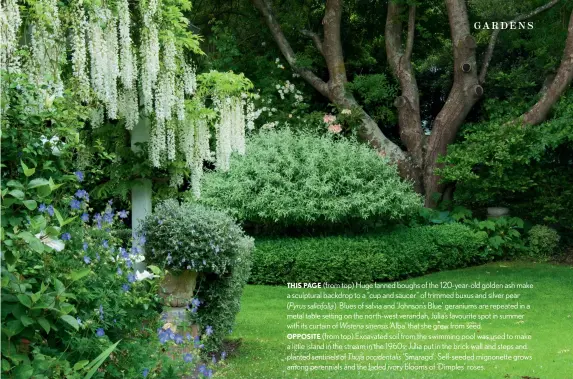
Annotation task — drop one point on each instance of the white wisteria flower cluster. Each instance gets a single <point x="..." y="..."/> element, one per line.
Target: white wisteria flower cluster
<point x="127" y="71"/>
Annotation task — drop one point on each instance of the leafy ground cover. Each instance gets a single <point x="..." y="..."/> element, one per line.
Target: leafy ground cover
<point x="261" y="327"/>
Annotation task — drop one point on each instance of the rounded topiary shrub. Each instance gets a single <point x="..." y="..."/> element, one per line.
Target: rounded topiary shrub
<point x="299" y="179"/>
<point x="543" y="241"/>
<point x="194" y="237"/>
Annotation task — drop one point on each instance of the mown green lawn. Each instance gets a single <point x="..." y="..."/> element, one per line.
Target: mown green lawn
<point x="261" y="326"/>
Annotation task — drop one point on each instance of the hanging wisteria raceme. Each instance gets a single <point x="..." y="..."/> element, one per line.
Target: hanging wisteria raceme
<point x="103" y="47"/>
<point x="238" y="121"/>
<point x="79" y="53"/>
<point x="10" y="22"/>
<point x="46" y="52"/>
<point x="129" y="107"/>
<point x="189" y="79"/>
<point x="128" y="71"/>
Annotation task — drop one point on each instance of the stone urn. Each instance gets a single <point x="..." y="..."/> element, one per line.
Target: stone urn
<point x="497" y="212"/>
<point x="176" y="292"/>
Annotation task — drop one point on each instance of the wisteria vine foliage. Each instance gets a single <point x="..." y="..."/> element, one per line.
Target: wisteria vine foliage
<point x="130" y="60"/>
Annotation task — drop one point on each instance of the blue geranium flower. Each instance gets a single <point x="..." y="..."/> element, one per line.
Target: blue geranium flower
<point x="125" y="287"/>
<point x="66" y="236"/>
<point x="223" y="355"/>
<point x="123" y="214"/>
<point x="50" y="210"/>
<point x="85" y="217"/>
<point x="79" y="175"/>
<point x="178" y="339"/>
<point x="42" y="208"/>
<point x="85" y="246"/>
<point x="75" y="204"/>
<point x="100" y="332"/>
<point x="131" y="277"/>
<point x="119" y="272"/>
<point x="87" y="259"/>
<point x="105" y="244"/>
<point x="145" y="372"/>
<point x="187" y="358"/>
<point x="209" y="330"/>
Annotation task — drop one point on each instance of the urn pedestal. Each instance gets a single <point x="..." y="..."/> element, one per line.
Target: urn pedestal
<point x="177" y="291"/>
<point x="497" y="212"/>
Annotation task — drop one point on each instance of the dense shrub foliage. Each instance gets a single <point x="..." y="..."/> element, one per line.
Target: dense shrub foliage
<point x="543" y="241"/>
<point x="298" y="179"/>
<point x="405" y="253"/>
<point x="194" y="237"/>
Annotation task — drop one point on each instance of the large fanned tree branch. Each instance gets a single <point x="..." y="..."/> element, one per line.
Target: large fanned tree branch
<point x="493" y="39"/>
<point x="408" y="103"/>
<point x="538" y="113"/>
<point x="265" y="8"/>
<point x="331" y="49"/>
<point x="315" y="38"/>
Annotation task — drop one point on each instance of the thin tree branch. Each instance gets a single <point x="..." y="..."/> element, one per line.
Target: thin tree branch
<point x="265" y="8"/>
<point x="411" y="30"/>
<point x="563" y="79"/>
<point x="315" y="38"/>
<point x="493" y="39"/>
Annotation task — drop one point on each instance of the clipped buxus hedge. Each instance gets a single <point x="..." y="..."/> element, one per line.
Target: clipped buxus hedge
<point x="404" y="253"/>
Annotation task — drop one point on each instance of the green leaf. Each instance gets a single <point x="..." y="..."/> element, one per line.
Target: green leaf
<point x="44" y="324"/>
<point x="44" y="191"/>
<point x="26" y="320"/>
<point x="81" y="364"/>
<point x="77" y="275"/>
<point x="25" y="300"/>
<point x="18" y="194"/>
<point x="27" y="171"/>
<point x="156" y="270"/>
<point x="59" y="217"/>
<point x="12" y="328"/>
<point x="94" y="365"/>
<point x="71" y="321"/>
<point x="53" y="186"/>
<point x="30" y="204"/>
<point x="38" y="182"/>
<point x="14" y="183"/>
<point x="23" y="372"/>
